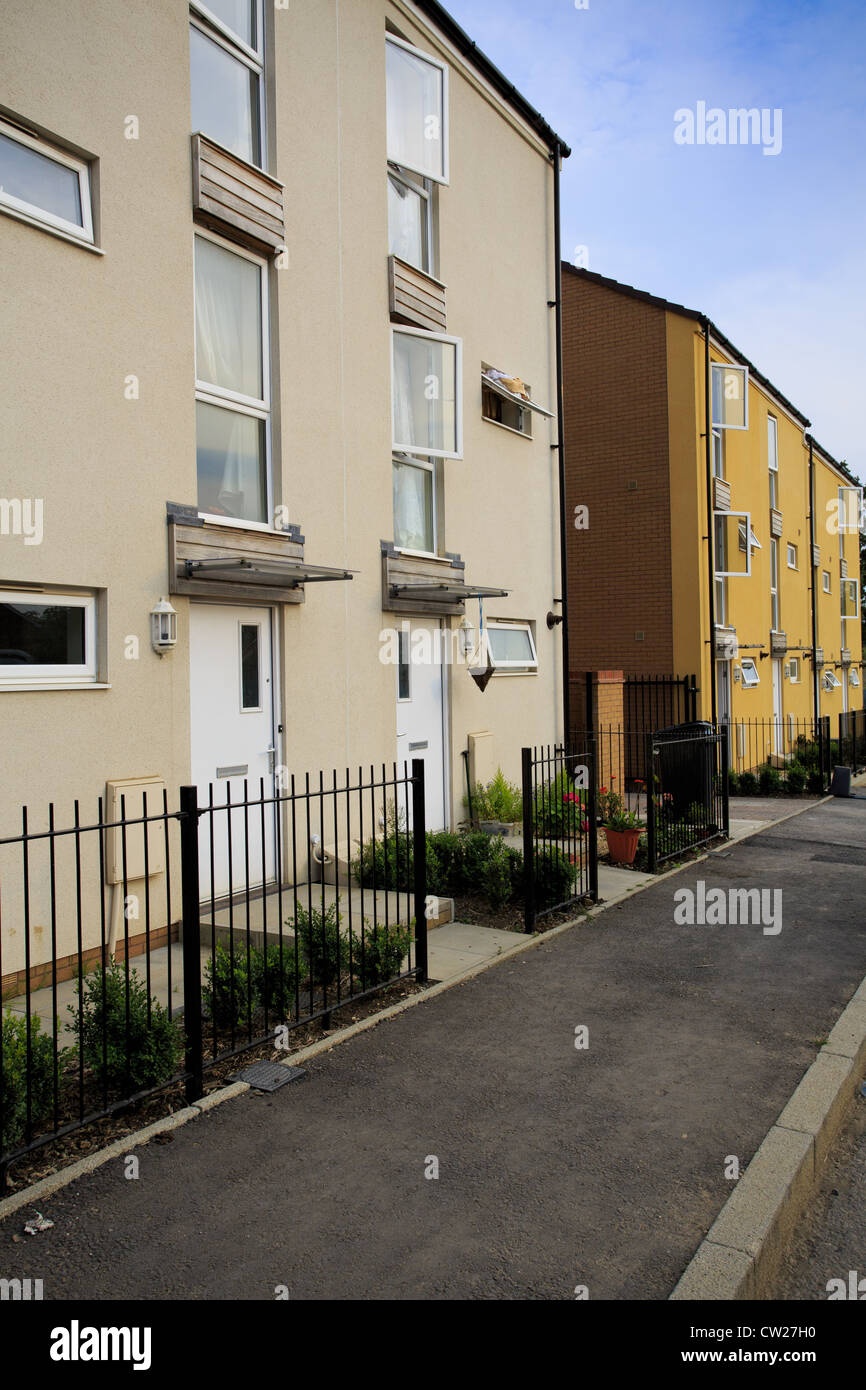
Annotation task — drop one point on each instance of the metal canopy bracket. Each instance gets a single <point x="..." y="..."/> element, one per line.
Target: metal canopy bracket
<point x="278" y="572"/>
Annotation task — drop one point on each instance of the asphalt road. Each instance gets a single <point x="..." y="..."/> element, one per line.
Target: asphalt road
<point x="557" y="1167"/>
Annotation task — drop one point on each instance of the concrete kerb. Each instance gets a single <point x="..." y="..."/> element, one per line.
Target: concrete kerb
<point x="55" y="1181"/>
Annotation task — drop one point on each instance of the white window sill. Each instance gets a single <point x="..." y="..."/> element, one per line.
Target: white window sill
<point x="238" y="524"/>
<point x="52" y="231"/>
<point x="526" y="671"/>
<point x="422" y="554"/>
<point x="521" y="434"/>
<point x="53" y="685"/>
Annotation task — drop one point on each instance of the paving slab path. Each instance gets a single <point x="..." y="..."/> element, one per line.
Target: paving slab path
<point x="557" y="1166"/>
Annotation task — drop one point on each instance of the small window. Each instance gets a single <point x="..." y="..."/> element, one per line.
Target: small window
<point x="830" y="680"/>
<point x="853" y="677"/>
<point x="417" y="110"/>
<point x="426" y="393"/>
<point x="794" y="670"/>
<point x="226" y="81"/>
<point x="512" y="647"/>
<point x="730" y="398"/>
<point x="792" y="557"/>
<point x="44" y="184"/>
<point x="749" y="673"/>
<point x="414" y="508"/>
<point x="718" y="454"/>
<point x="850" y="508"/>
<point x="46" y="639"/>
<point x="251" y="672"/>
<point x="727" y="544"/>
<point x="404" y="666"/>
<point x="825" y="580"/>
<point x="850" y="605"/>
<point x="507" y="400"/>
<point x="773" y="443"/>
<point x="410" y="219"/>
<point x="753" y="539"/>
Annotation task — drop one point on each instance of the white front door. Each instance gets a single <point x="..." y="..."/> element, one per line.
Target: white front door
<point x="420" y="713"/>
<point x="778" y="731"/>
<point x="232" y="739"/>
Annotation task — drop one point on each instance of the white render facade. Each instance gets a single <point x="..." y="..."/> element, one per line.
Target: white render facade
<point x="263" y="348"/>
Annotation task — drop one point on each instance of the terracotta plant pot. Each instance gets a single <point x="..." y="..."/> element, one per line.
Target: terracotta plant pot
<point x="622" y="845"/>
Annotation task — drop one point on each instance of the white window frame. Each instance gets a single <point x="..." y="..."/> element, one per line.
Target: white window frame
<point x="845" y="510"/>
<point x="794" y="670"/>
<point x="207" y="23"/>
<point x="423" y="186"/>
<point x="825" y="581"/>
<point x="444" y="118"/>
<point x="749" y="677"/>
<point x="775" y="599"/>
<point x="399" y="447"/>
<point x="209" y="394"/>
<point x="830" y="680"/>
<point x="792" y="549"/>
<point x="429" y="466"/>
<point x="56" y="677"/>
<point x="718" y="439"/>
<point x="514" y="668"/>
<point x="31" y="212"/>
<point x="731" y="367"/>
<point x="853" y="677"/>
<point x="734" y="574"/>
<point x="853" y="586"/>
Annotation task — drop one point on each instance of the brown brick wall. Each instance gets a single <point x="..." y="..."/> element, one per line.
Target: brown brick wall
<point x="616" y="432"/>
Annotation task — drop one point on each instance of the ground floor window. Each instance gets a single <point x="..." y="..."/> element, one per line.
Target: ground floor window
<point x="47" y="638"/>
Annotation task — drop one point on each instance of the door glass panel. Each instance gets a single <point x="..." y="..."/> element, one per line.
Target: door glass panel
<point x="403" y="668"/>
<point x="250" y="667"/>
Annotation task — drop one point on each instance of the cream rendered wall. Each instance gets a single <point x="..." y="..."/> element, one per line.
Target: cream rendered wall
<point x="75" y="324"/>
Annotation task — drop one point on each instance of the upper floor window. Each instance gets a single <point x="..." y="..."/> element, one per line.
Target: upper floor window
<point x="426" y="393"/>
<point x="410" y="219"/>
<point x="226" y="49"/>
<point x="793" y="562"/>
<point x="232" y="382"/>
<point x="44" y="184"/>
<point x="775" y="605"/>
<point x="773" y="459"/>
<point x="729" y="396"/>
<point x="417" y="110"/>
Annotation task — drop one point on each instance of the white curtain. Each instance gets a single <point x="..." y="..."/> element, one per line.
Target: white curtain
<point x="228" y="320"/>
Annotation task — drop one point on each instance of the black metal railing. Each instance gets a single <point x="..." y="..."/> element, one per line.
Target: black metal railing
<point x="560" y="860"/>
<point x="687" y="794"/>
<point x="767" y="756"/>
<point x="852" y="740"/>
<point x="656" y="702"/>
<point x="293" y="901"/>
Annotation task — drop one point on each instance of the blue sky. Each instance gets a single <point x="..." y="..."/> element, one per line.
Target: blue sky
<point x="771" y="247"/>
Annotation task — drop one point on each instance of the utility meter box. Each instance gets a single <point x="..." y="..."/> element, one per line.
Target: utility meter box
<point x="127" y="799"/>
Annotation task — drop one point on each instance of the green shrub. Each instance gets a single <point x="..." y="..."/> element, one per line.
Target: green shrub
<point x="148" y="1054"/>
<point x="13" y="1097"/>
<point x="815" y="783"/>
<point x="496" y="882"/>
<point x="733" y="784"/>
<point x="377" y="954"/>
<point x="387" y="862"/>
<point x="227" y="993"/>
<point x="769" y="780"/>
<point x="445" y="863"/>
<point x="554" y="877"/>
<point x="748" y="784"/>
<point x="499" y="800"/>
<point x="273" y="979"/>
<point x="323" y="951"/>
<point x="795" y="780"/>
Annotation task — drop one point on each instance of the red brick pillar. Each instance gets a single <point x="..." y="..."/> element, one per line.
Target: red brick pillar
<point x="605" y="697"/>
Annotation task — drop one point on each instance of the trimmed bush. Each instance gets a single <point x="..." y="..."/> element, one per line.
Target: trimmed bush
<point x="378" y="954"/>
<point x="227" y="994"/>
<point x="499" y="800"/>
<point x="769" y="781"/>
<point x="815" y="783"/>
<point x="795" y="780"/>
<point x="13" y="1097"/>
<point x="733" y="784"/>
<point x="273" y="979"/>
<point x="323" y="951"/>
<point x="148" y="1054"/>
<point x="748" y="784"/>
<point x="554" y="877"/>
<point x="496" y="880"/>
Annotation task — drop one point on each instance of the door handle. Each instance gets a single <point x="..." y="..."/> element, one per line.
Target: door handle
<point x="271" y="755"/>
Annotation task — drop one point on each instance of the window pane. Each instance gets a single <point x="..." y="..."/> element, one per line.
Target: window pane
<point x="510" y="644"/>
<point x="228" y="320"/>
<point x="730" y="557"/>
<point x="425" y="395"/>
<point x="413" y="507"/>
<point x="415" y="112"/>
<point x="237" y="15"/>
<point x="250" y="696"/>
<point x="404" y="667"/>
<point x="225" y="98"/>
<point x="729" y="396"/>
<point x="230" y="456"/>
<point x="41" y="634"/>
<point x="36" y="179"/>
<point x="407" y="224"/>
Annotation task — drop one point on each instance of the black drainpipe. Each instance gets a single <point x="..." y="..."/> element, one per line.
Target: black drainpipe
<point x="560" y="434"/>
<point x="815" y="678"/>
<point x="710" y="525"/>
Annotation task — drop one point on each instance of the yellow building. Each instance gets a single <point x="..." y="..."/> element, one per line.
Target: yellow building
<point x="668" y="425"/>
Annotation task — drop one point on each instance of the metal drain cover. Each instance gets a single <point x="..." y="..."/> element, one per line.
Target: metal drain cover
<point x="269" y="1076"/>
